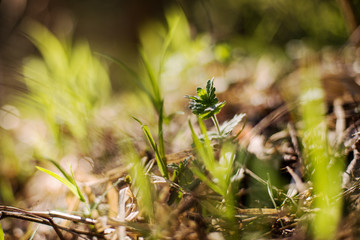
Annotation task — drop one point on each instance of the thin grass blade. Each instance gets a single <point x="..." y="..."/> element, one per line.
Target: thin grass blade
<point x="155" y="96"/>
<point x="63" y="180"/>
<point x="161" y="161"/>
<point x="63" y="172"/>
<point x="208" y="182"/>
<point x="81" y="196"/>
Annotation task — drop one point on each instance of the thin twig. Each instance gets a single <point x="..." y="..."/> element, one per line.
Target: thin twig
<point x="46" y="218"/>
<point x="54" y="226"/>
<point x="73" y="218"/>
<point x="295" y="143"/>
<point x="301" y="187"/>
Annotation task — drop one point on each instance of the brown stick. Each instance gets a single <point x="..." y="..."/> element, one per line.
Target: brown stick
<point x="46" y="218"/>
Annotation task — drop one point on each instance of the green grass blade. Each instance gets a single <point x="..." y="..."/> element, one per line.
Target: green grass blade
<point x="63" y="180"/>
<point x="138" y="120"/>
<point x="63" y="172"/>
<point x="208" y="158"/>
<point x="161" y="133"/>
<point x="206" y="155"/>
<point x="269" y="189"/>
<point x="151" y="140"/>
<point x="161" y="161"/>
<point x="33" y="234"/>
<point x="202" y="152"/>
<point x="154" y="83"/>
<point x="81" y="196"/>
<point x="166" y="44"/>
<point x="207" y="181"/>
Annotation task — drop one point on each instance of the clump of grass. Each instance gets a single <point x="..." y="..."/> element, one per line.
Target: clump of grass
<point x="66" y="83"/>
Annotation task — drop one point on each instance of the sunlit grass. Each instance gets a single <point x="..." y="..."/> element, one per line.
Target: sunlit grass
<point x="324" y="169"/>
<point x="66" y="82"/>
<point x="140" y="182"/>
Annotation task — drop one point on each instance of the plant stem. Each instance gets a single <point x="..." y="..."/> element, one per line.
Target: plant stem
<point x="216" y="124"/>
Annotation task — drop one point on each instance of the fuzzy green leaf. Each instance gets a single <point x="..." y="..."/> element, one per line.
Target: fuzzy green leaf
<point x="227" y="127"/>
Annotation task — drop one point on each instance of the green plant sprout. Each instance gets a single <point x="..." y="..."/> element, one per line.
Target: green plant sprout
<point x="206" y="105"/>
<point x="68" y="180"/>
<point x="221" y="176"/>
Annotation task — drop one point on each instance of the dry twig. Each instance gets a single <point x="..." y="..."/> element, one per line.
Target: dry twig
<point x="46" y="218"/>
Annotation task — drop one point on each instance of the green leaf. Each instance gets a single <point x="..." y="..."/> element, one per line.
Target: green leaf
<point x="205" y="104"/>
<point x="203" y="150"/>
<point x="72" y="187"/>
<point x="227" y="127"/>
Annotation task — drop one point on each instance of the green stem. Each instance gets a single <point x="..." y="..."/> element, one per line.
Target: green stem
<point x="216" y="124"/>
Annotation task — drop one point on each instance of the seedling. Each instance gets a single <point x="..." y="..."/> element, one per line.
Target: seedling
<point x="219" y="174"/>
<point x="206" y="105"/>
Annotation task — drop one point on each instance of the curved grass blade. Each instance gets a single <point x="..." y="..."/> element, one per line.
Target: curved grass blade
<point x="161" y="161"/>
<point x="63" y="172"/>
<point x="72" y="187"/>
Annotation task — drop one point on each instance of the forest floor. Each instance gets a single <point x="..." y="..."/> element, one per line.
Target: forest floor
<point x="270" y="189"/>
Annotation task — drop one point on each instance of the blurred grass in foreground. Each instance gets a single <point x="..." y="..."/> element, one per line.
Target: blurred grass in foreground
<point x="323" y="168"/>
<point x="65" y="85"/>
